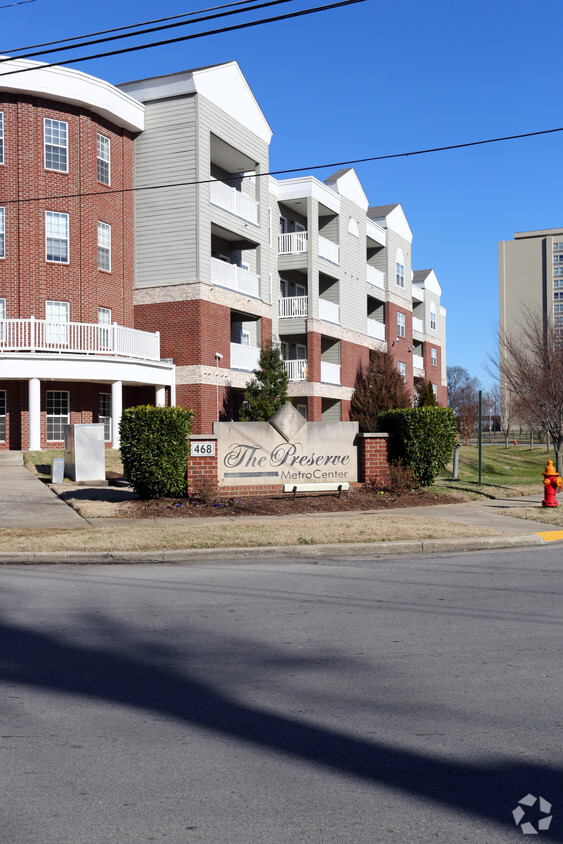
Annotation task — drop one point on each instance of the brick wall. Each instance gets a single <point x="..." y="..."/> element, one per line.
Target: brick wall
<point x="434" y="373"/>
<point x="373" y="456"/>
<point x="400" y="347"/>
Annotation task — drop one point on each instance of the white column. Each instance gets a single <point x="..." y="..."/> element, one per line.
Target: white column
<point x="116" y="410"/>
<point x="160" y="396"/>
<point x="34" y="414"/>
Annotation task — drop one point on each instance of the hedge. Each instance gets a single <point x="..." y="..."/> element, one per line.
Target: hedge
<point x="423" y="437"/>
<point x="154" y="449"/>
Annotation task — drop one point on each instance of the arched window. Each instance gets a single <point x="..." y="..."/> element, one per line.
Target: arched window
<point x="433" y="316"/>
<point x="400" y="268"/>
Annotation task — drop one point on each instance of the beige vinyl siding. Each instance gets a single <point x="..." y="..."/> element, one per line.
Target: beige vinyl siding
<point x="331" y="411"/>
<point x="330" y="350"/>
<point x="353" y="288"/>
<point x="394" y="242"/>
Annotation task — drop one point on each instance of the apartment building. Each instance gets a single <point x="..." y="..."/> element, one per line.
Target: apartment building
<point x="69" y="351"/>
<point x="227" y="258"/>
<point x="531" y="280"/>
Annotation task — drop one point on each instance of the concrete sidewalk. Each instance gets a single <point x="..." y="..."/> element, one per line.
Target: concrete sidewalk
<point x="26" y="502"/>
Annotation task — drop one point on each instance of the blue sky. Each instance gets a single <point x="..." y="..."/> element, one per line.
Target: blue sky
<point x="374" y="79"/>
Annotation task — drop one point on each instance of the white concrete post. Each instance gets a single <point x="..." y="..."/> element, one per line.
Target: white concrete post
<point x="116" y="411"/>
<point x="160" y="396"/>
<point x="34" y="414"/>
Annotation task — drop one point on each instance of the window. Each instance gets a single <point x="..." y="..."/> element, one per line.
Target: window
<point x="2" y="232"/>
<point x="56" y="316"/>
<point x="558" y="259"/>
<point x="353" y="227"/>
<point x="434" y="357"/>
<point x="103" y="157"/>
<point x="104" y="247"/>
<point x="58" y="415"/>
<point x="2" y="137"/>
<point x="433" y="318"/>
<point x="104" y="415"/>
<point x="435" y="389"/>
<point x="402" y="367"/>
<point x="56" y="145"/>
<point x="400" y="268"/>
<point x="104" y="321"/>
<point x="400" y="325"/>
<point x="3" y="416"/>
<point x="56" y="237"/>
<point x="558" y="246"/>
<point x="2" y="318"/>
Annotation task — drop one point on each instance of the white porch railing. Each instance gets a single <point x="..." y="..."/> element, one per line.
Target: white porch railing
<point x="293" y="306"/>
<point x="244" y="357"/>
<point x="292" y="243"/>
<point x="329" y="311"/>
<point x="328" y="250"/>
<point x="234" y="201"/>
<point x="235" y="278"/>
<point x="376" y="329"/>
<point x="296" y="370"/>
<point x="330" y="372"/>
<point x="84" y="338"/>
<point x="375" y="277"/>
<point x="417" y="325"/>
<point x="418" y="362"/>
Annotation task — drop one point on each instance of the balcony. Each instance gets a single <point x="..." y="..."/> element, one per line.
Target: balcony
<point x="329" y="311"/>
<point x="418" y="362"/>
<point x="80" y="338"/>
<point x="328" y="250"/>
<point x="244" y="357"/>
<point x="293" y="306"/>
<point x="296" y="370"/>
<point x="417" y="325"/>
<point x="330" y="373"/>
<point x="375" y="329"/>
<point x="234" y="201"/>
<point x="375" y="277"/>
<point x="292" y="243"/>
<point x="235" y="278"/>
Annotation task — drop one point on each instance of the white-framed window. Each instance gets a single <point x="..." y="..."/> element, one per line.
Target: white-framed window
<point x="433" y="317"/>
<point x="104" y="321"/>
<point x="2" y="318"/>
<point x="2" y="137"/>
<point x="104" y="246"/>
<point x="558" y="246"/>
<point x="103" y="159"/>
<point x="104" y="415"/>
<point x="58" y="414"/>
<point x="2" y="232"/>
<point x="402" y="367"/>
<point x="400" y="324"/>
<point x="56" y="145"/>
<point x="400" y="268"/>
<point x="56" y="237"/>
<point x="2" y="416"/>
<point x="434" y="357"/>
<point x="57" y="315"/>
<point x="435" y="390"/>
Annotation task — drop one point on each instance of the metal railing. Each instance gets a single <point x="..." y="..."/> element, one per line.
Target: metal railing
<point x="375" y="329"/>
<point x="244" y="357"/>
<point x="292" y="243"/>
<point x="296" y="370"/>
<point x="234" y="201"/>
<point x="293" y="306"/>
<point x="83" y="338"/>
<point x="235" y="278"/>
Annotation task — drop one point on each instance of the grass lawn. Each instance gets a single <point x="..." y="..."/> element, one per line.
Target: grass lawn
<point x="505" y="472"/>
<point x="39" y="463"/>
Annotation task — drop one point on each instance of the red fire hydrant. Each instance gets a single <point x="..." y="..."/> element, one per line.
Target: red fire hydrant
<point x="552" y="484"/>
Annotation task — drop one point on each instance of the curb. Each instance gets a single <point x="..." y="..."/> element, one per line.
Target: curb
<point x="191" y="556"/>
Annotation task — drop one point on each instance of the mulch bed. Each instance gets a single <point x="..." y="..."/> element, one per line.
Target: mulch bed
<point x="359" y="499"/>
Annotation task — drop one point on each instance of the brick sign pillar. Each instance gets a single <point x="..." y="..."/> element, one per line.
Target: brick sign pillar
<point x="202" y="461"/>
<point x="373" y="456"/>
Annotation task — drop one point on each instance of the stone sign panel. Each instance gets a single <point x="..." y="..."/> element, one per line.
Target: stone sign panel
<point x="287" y="449"/>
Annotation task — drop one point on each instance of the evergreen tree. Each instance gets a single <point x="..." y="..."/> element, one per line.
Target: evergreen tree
<point x="267" y="391"/>
<point x="379" y="387"/>
<point x="424" y="393"/>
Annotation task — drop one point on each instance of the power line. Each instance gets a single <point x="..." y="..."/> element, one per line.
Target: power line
<point x="336" y="164"/>
<point x="248" y="8"/>
<point x="115" y="29"/>
<point x="20" y="3"/>
<point x="190" y="37"/>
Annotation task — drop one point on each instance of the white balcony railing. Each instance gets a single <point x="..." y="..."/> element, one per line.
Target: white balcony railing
<point x="234" y="201"/>
<point x="376" y="329"/>
<point x="83" y="338"/>
<point x="375" y="277"/>
<point x="296" y="370"/>
<point x="328" y="250"/>
<point x="417" y="325"/>
<point x="293" y="306"/>
<point x="292" y="243"/>
<point x="244" y="357"/>
<point x="235" y="278"/>
<point x="329" y="311"/>
<point x="330" y="372"/>
<point x="418" y="362"/>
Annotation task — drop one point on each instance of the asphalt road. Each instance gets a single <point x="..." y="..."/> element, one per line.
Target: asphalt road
<point x="397" y="700"/>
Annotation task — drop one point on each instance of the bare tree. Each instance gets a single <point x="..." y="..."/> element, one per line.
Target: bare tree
<point x="531" y="368"/>
<point x="463" y="398"/>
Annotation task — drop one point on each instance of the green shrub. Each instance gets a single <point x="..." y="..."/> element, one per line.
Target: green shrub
<point x="154" y="449"/>
<point x="423" y="437"/>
